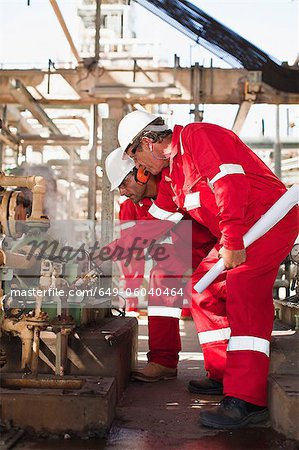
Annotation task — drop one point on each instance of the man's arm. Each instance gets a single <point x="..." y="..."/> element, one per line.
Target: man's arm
<point x="218" y="158"/>
<point x="161" y="217"/>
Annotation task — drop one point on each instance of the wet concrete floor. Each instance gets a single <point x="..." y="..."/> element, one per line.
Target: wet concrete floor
<point x="164" y="415"/>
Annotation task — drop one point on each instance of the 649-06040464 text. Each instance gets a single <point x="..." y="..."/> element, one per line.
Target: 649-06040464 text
<point x="98" y="291"/>
<point x="128" y="292"/>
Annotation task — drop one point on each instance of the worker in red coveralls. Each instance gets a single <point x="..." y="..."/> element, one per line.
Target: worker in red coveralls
<point x="163" y="319"/>
<point x="223" y="185"/>
<point x="132" y="275"/>
<point x="130" y="211"/>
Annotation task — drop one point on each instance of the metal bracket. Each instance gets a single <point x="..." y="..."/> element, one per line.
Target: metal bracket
<point x="252" y="85"/>
<point x="50" y="64"/>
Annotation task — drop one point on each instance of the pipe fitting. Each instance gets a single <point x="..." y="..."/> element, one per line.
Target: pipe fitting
<point x="36" y="184"/>
<point x="20" y="328"/>
<point x="38" y="192"/>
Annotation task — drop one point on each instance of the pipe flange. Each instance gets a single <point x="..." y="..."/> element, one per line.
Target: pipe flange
<point x="12" y="213"/>
<point x="66" y="324"/>
<point x="4" y="214"/>
<point x="42" y="321"/>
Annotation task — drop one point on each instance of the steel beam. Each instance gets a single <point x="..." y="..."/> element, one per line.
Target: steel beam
<point x="241" y="116"/>
<point x="7" y="141"/>
<point x="110" y="142"/>
<point x="92" y="190"/>
<point x="196" y="75"/>
<point x="65" y="29"/>
<point x="109" y="130"/>
<point x="97" y="31"/>
<point x="277" y="147"/>
<point x="218" y="86"/>
<point x="82" y="164"/>
<point x="252" y="88"/>
<point x="267" y="143"/>
<point x="23" y="96"/>
<point x="15" y="116"/>
<point x="6" y="131"/>
<point x="34" y="139"/>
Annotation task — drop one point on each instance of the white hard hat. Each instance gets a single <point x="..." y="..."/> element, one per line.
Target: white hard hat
<point x="117" y="168"/>
<point x="133" y="123"/>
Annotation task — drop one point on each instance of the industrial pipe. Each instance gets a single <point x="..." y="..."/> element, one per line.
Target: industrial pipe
<point x="36" y="184"/>
<point x="35" y="350"/>
<point x="20" y="328"/>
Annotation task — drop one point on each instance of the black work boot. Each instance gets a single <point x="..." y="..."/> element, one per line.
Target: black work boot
<point x="205" y="386"/>
<point x="232" y="413"/>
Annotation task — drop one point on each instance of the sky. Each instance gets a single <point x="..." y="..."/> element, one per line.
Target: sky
<point x="32" y="35"/>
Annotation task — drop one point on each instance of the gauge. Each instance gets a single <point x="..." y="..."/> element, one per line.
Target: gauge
<point x="295" y="254"/>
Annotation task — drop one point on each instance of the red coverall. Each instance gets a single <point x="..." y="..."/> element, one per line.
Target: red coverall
<point x="133" y="274"/>
<point x="163" y="311"/>
<point x="225" y="186"/>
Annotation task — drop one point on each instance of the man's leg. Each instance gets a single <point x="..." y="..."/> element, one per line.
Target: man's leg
<point x="250" y="313"/>
<point x="163" y="328"/>
<point x="209" y="314"/>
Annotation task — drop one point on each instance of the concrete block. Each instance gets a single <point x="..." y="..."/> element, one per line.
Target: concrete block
<point x="108" y="349"/>
<point x="84" y="404"/>
<point x="287" y="312"/>
<point x="283" y="388"/>
<point x="284" y="352"/>
<point x="284" y="404"/>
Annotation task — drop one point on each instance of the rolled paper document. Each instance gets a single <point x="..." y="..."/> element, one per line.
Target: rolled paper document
<point x="283" y="205"/>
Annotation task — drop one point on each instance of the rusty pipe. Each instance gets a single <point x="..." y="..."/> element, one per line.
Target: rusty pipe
<point x="15" y="180"/>
<point x="41" y="383"/>
<point x="20" y="328"/>
<point x="36" y="336"/>
<point x="26" y="352"/>
<point x="38" y="192"/>
<point x="36" y="184"/>
<point x="35" y="350"/>
<point x="62" y="338"/>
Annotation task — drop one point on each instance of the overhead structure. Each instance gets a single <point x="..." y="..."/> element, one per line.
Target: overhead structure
<point x="225" y="43"/>
<point x="172" y="85"/>
<point x="14" y="116"/>
<point x="65" y="30"/>
<point x="23" y="96"/>
<point x="255" y="78"/>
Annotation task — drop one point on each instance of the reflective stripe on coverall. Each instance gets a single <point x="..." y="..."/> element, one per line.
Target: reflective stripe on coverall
<point x="226" y="187"/>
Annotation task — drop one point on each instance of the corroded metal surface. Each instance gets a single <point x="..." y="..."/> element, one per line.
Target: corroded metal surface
<point x="61" y="410"/>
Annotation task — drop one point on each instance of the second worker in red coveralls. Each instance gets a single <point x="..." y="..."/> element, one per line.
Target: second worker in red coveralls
<point x="226" y="187"/>
<point x="163" y="320"/>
